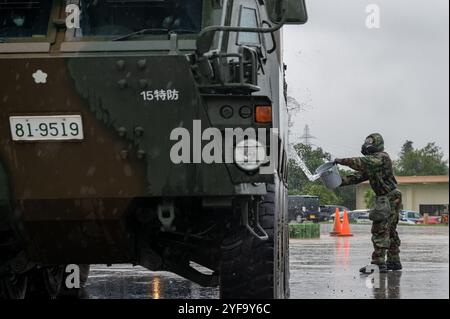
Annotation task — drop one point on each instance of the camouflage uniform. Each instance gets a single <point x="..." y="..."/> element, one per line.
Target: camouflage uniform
<point x="377" y="169"/>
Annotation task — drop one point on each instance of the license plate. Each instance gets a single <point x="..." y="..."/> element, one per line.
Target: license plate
<point x="312" y="216"/>
<point x="46" y="128"/>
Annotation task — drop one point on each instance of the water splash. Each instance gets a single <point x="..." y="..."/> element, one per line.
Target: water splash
<point x="300" y="162"/>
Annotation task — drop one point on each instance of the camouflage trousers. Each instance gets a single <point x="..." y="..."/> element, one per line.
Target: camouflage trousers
<point x="385" y="237"/>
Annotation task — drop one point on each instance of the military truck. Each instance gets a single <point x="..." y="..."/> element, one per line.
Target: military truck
<point x="304" y="207"/>
<point x="92" y="95"/>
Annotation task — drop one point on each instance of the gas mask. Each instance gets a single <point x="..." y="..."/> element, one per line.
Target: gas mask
<point x="368" y="147"/>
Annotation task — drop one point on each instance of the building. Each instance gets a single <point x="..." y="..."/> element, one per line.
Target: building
<point x="424" y="194"/>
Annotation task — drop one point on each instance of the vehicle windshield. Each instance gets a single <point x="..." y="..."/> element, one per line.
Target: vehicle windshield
<point x="311" y="202"/>
<point x="24" y="19"/>
<point x="119" y="18"/>
<point x="308" y="202"/>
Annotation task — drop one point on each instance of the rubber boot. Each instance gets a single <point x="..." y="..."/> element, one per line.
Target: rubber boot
<point x="366" y="271"/>
<point x="394" y="266"/>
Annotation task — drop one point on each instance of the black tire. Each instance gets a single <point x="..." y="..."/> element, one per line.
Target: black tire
<point x="13" y="287"/>
<point x="9" y="243"/>
<point x="50" y="283"/>
<point x="66" y="293"/>
<point x="7" y="249"/>
<point x="45" y="283"/>
<point x="248" y="264"/>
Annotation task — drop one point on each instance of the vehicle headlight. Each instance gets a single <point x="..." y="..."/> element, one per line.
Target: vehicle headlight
<point x="249" y="155"/>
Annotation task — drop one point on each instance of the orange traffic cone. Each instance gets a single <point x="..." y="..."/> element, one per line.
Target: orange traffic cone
<point x="345" y="226"/>
<point x="337" y="224"/>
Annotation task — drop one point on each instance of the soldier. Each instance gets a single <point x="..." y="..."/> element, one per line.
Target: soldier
<point x="376" y="166"/>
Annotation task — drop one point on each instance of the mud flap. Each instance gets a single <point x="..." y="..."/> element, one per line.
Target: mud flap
<point x="4" y="198"/>
<point x="263" y="272"/>
<point x="6" y="234"/>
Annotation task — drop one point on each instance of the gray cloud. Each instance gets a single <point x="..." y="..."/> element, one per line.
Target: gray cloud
<point x="393" y="80"/>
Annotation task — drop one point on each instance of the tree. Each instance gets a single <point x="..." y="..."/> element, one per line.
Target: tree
<point x="299" y="183"/>
<point x="313" y="158"/>
<point x="369" y="198"/>
<point x="326" y="196"/>
<point x="421" y="162"/>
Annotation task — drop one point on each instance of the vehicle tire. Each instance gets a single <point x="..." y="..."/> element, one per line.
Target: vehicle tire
<point x="7" y="247"/>
<point x="248" y="264"/>
<point x="45" y="283"/>
<point x="66" y="293"/>
<point x="13" y="287"/>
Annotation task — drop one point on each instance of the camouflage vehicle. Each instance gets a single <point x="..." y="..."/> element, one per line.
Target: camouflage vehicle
<point x="90" y="95"/>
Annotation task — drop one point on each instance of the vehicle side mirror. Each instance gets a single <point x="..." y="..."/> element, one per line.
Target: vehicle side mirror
<point x="296" y="12"/>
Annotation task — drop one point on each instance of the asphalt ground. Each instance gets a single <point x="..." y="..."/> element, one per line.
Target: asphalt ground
<point x="325" y="268"/>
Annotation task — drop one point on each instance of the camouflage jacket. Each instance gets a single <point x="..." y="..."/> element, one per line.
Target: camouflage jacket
<point x="376" y="168"/>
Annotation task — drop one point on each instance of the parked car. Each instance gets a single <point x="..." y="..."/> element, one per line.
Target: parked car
<point x="331" y="209"/>
<point x="341" y="211"/>
<point x="432" y="220"/>
<point x="360" y="216"/>
<point x="444" y="218"/>
<point x="326" y="212"/>
<point x="409" y="217"/>
<point x="323" y="216"/>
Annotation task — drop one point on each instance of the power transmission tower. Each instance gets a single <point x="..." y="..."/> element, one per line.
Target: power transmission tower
<point x="307" y="137"/>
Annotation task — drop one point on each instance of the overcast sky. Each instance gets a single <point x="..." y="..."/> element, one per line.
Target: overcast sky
<point x="355" y="80"/>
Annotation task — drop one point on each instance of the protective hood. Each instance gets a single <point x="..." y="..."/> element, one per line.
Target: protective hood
<point x="374" y="144"/>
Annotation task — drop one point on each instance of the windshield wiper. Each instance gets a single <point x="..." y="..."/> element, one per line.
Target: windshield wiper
<point x="153" y="31"/>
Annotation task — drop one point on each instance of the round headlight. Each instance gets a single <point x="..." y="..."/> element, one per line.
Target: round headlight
<point x="249" y="155"/>
<point x="227" y="112"/>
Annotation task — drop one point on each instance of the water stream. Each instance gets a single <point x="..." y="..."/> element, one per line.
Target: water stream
<point x="299" y="160"/>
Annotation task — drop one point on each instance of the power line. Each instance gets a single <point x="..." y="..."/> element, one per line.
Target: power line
<point x="307" y="137"/>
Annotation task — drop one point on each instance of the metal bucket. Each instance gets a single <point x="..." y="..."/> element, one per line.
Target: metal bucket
<point x="329" y="175"/>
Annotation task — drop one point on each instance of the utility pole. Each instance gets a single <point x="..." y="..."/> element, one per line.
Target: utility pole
<point x="307" y="137"/>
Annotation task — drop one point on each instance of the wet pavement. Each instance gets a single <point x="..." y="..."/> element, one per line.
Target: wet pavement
<point x="325" y="268"/>
<point x="328" y="268"/>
